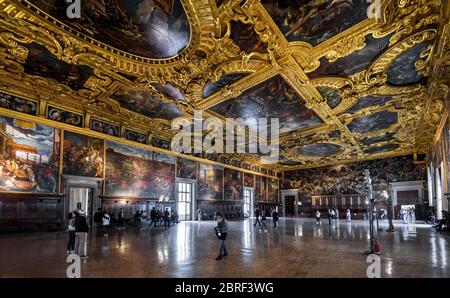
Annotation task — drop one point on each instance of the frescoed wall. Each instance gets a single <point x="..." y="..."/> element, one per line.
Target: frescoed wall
<point x="83" y="155"/>
<point x="29" y="156"/>
<point x="249" y="180"/>
<point x="349" y="178"/>
<point x="272" y="190"/>
<point x="210" y="182"/>
<point x="138" y="172"/>
<point x="18" y="104"/>
<point x="233" y="185"/>
<point x="186" y="168"/>
<point x="261" y="189"/>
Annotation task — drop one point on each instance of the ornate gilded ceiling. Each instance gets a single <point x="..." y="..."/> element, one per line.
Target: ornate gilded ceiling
<point x="346" y="85"/>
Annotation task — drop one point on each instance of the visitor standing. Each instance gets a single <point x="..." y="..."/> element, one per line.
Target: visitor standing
<point x="153" y="217"/>
<point x="336" y="214"/>
<point x="121" y="219"/>
<point x="221" y="232"/>
<point x="106" y="221"/>
<point x="318" y="217"/>
<point x="199" y="214"/>
<point x="275" y="218"/>
<point x="166" y="218"/>
<point x="330" y="215"/>
<point x="98" y="221"/>
<point x="71" y="231"/>
<point x="348" y="215"/>
<point x="81" y="230"/>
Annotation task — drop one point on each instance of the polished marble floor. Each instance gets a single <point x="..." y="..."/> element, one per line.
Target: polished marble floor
<point x="297" y="248"/>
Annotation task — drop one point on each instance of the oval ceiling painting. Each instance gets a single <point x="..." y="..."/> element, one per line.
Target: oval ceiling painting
<point x="154" y="29"/>
<point x="319" y="149"/>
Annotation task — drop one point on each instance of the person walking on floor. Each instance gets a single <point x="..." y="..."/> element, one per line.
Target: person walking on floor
<point x="221" y="232"/>
<point x="153" y="216"/>
<point x="330" y="215"/>
<point x="166" y="218"/>
<point x="318" y="221"/>
<point x="348" y="215"/>
<point x="275" y="218"/>
<point x="98" y="221"/>
<point x="257" y="214"/>
<point x="199" y="214"/>
<point x="121" y="219"/>
<point x="81" y="231"/>
<point x="71" y="231"/>
<point x="336" y="214"/>
<point x="263" y="222"/>
<point x="106" y="221"/>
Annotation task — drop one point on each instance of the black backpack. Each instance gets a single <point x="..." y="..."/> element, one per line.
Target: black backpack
<point x="98" y="217"/>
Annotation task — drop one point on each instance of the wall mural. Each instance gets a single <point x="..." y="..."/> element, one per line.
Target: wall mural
<point x="83" y="155"/>
<point x="319" y="149"/>
<point x="273" y="98"/>
<point x="249" y="180"/>
<point x="369" y="101"/>
<point x="40" y="62"/>
<point x="403" y="71"/>
<point x="18" y="104"/>
<point x="138" y="172"/>
<point x="355" y="62"/>
<point x="315" y="21"/>
<point x="160" y="143"/>
<point x="223" y="81"/>
<point x="349" y="178"/>
<point x="135" y="136"/>
<point x="261" y="189"/>
<point x="245" y="36"/>
<point x="373" y="122"/>
<point x="331" y="95"/>
<point x="152" y="28"/>
<point x="29" y="156"/>
<point x="210" y="182"/>
<point x="146" y="103"/>
<point x="106" y="128"/>
<point x="233" y="185"/>
<point x="186" y="168"/>
<point x="272" y="191"/>
<point x="66" y="117"/>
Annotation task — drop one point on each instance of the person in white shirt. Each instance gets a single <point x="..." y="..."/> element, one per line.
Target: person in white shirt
<point x="106" y="219"/>
<point x="318" y="217"/>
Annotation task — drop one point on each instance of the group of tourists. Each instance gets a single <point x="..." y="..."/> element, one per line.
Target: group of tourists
<point x="78" y="229"/>
<point x="407" y="215"/>
<point x="333" y="214"/>
<point x="160" y="217"/>
<point x="261" y="219"/>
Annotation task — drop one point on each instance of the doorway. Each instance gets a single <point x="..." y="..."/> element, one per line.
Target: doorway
<point x="248" y="202"/>
<point x="184" y="200"/>
<point x="289" y="205"/>
<point x="80" y="198"/>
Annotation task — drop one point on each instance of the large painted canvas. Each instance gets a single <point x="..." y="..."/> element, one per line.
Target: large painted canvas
<point x="150" y="28"/>
<point x="83" y="155"/>
<point x="380" y="149"/>
<point x="273" y="98"/>
<point x="160" y="143"/>
<point x="136" y="172"/>
<point x="369" y="101"/>
<point x="272" y="190"/>
<point x="377" y="139"/>
<point x="373" y="122"/>
<point x="40" y="62"/>
<point x="261" y="189"/>
<point x="186" y="168"/>
<point x="315" y="21"/>
<point x="331" y="95"/>
<point x="145" y="103"/>
<point x="249" y="180"/>
<point x="349" y="178"/>
<point x="355" y="62"/>
<point x="135" y="136"/>
<point x="210" y="182"/>
<point x="245" y="36"/>
<point x="169" y="90"/>
<point x="319" y="149"/>
<point x="223" y="81"/>
<point x="66" y="117"/>
<point x="403" y="71"/>
<point x="106" y="128"/>
<point x="29" y="156"/>
<point x="18" y="104"/>
<point x="233" y="185"/>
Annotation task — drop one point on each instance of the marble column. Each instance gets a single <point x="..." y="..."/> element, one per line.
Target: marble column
<point x="430" y="186"/>
<point x="438" y="195"/>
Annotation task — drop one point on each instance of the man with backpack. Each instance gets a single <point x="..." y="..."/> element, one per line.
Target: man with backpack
<point x="81" y="231"/>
